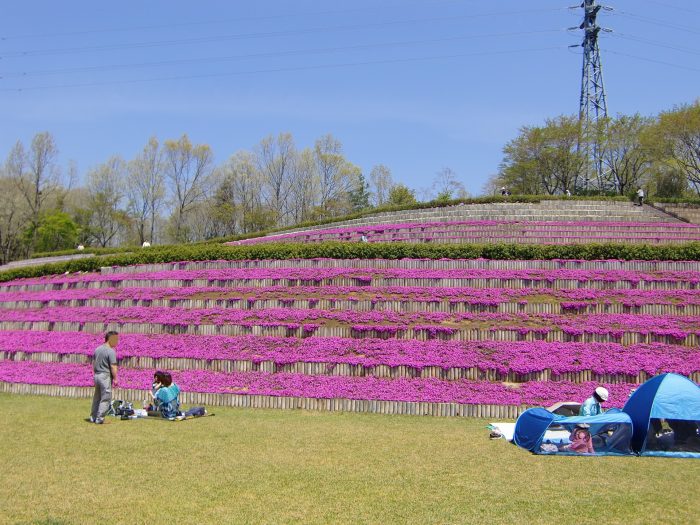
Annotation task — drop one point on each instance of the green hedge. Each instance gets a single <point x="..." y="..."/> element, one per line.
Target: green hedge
<point x="344" y="250"/>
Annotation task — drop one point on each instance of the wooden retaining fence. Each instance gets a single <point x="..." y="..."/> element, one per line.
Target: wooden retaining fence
<point x="413" y="408"/>
<point x="401" y="305"/>
<point x="415" y="264"/>
<point x="339" y="369"/>
<point x="376" y="281"/>
<point x="469" y="334"/>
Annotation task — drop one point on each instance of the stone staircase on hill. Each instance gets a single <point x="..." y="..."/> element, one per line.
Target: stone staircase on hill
<point x="683" y="211"/>
<point x="575" y="210"/>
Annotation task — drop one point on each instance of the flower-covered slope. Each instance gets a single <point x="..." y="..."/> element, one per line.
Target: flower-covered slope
<point x="467" y="335"/>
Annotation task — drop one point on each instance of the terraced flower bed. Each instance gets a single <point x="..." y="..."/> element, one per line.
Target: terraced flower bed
<point x="466" y="332"/>
<point x="300" y="385"/>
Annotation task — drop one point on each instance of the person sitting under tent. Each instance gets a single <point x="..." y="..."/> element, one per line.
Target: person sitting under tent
<point x="581" y="440"/>
<point x="542" y="432"/>
<point x="591" y="406"/>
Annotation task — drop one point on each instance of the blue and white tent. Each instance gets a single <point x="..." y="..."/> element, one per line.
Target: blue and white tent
<point x="542" y="432"/>
<point x="666" y="415"/>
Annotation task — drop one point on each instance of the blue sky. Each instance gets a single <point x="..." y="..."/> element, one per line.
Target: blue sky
<point x="415" y="85"/>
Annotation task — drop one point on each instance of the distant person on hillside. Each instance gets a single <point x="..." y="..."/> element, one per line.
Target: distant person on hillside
<point x="591" y="406"/>
<point x="640" y="197"/>
<point x="364" y="238"/>
<point x="504" y="192"/>
<point x="567" y="193"/>
<point x="105" y="369"/>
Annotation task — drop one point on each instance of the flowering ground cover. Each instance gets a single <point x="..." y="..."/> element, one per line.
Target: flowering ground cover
<point x="378" y="296"/>
<point x="509" y="322"/>
<point x="522" y="357"/>
<point x="387" y="322"/>
<point x="300" y="385"/>
<point x="234" y="277"/>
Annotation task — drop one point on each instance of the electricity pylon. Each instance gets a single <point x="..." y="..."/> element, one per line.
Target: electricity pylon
<point x="593" y="106"/>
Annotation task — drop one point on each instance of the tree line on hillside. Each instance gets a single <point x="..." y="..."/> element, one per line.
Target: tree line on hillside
<point x="173" y="192"/>
<point x="661" y="154"/>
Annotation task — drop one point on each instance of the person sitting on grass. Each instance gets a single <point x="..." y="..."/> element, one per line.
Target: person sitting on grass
<point x="151" y="405"/>
<point x="166" y="397"/>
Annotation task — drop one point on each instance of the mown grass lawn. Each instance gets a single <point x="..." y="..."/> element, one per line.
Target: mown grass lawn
<point x="267" y="466"/>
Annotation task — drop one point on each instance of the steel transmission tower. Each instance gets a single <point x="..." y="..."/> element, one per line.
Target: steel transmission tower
<point x="593" y="107"/>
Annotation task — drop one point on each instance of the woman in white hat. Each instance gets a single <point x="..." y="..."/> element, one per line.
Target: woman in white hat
<point x="591" y="406"/>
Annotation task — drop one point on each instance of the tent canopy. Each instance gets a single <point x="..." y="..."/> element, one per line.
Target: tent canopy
<point x="670" y="397"/>
<point x="611" y="431"/>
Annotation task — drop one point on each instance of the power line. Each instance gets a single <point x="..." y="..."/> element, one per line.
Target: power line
<point x="87" y="69"/>
<point x="213" y="22"/>
<point x="647" y="59"/>
<point x="656" y="43"/>
<point x="658" y="22"/>
<point x="664" y="4"/>
<point x="240" y="36"/>
<point x="282" y="70"/>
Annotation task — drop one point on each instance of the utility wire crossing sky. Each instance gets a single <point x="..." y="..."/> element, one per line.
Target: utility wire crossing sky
<point x="416" y="85"/>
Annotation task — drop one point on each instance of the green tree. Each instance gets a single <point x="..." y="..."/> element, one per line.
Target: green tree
<point x="188" y="170"/>
<point x="336" y="176"/>
<point x="105" y="194"/>
<point x="14" y="214"/>
<point x="625" y="155"/>
<point x="446" y="186"/>
<point x="543" y="159"/>
<point x="401" y="195"/>
<point x="56" y="231"/>
<point x="381" y="184"/>
<point x="145" y="189"/>
<point x="36" y="176"/>
<point x="675" y="141"/>
<point x="669" y="183"/>
<point x="359" y="195"/>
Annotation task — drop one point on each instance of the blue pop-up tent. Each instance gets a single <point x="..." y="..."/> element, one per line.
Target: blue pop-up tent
<point x="675" y="399"/>
<point x="542" y="432"/>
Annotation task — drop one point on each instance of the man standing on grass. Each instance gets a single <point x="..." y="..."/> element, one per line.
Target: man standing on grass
<point x="105" y="368"/>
